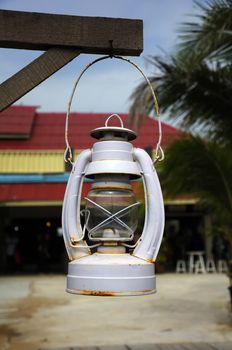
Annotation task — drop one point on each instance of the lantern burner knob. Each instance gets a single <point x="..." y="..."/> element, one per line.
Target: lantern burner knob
<point x="109" y="133"/>
<point x="109" y="233"/>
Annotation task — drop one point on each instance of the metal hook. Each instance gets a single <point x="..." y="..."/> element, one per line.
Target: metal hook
<point x="111" y="54"/>
<point x="159" y="154"/>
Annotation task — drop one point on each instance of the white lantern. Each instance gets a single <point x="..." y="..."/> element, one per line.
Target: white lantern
<point x="111" y="216"/>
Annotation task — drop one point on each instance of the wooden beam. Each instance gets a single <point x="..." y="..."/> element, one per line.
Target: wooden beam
<point x="64" y="38"/>
<point x="40" y="31"/>
<point x="33" y="74"/>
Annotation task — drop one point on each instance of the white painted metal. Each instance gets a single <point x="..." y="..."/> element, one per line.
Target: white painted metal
<point x="71" y="208"/>
<point x="120" y="133"/>
<point x="113" y="166"/>
<point x="121" y="150"/>
<point x="112" y="157"/>
<point x="111" y="275"/>
<point x="152" y="234"/>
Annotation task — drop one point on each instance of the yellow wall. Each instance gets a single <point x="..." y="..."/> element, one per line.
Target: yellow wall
<point x="14" y="162"/>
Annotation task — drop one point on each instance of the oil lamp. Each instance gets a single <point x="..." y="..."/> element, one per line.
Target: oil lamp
<point x="99" y="237"/>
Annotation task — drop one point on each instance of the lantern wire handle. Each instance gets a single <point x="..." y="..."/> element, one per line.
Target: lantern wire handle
<point x="114" y="115"/>
<point x="159" y="153"/>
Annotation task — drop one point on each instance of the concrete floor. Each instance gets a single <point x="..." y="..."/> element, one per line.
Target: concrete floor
<point x="36" y="313"/>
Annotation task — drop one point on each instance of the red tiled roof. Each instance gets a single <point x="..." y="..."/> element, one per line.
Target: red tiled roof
<point x="17" y="121"/>
<point x="48" y="131"/>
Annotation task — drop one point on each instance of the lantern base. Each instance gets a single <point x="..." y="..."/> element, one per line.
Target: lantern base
<point x="111" y="275"/>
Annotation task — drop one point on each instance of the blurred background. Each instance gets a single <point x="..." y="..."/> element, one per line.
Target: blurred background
<point x="188" y="58"/>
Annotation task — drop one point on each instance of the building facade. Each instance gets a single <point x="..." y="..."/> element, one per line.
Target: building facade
<point x="33" y="177"/>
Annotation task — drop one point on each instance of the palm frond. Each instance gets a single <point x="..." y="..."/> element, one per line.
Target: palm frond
<point x="209" y="36"/>
<point x="195" y="96"/>
<point x="204" y="169"/>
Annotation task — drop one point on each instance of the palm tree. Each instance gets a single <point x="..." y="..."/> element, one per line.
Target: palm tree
<point x="195" y="82"/>
<point x="195" y="96"/>
<point x="210" y="36"/>
<point x="194" y="86"/>
<point x="205" y="169"/>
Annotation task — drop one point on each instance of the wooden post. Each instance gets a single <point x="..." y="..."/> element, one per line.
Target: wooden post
<point x="33" y="74"/>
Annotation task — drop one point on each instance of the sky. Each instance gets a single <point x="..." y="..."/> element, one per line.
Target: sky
<point x="106" y="87"/>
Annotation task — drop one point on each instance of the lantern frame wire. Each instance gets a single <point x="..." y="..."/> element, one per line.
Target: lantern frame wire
<point x="111" y="217"/>
<point x="159" y="153"/>
<point x="74" y="242"/>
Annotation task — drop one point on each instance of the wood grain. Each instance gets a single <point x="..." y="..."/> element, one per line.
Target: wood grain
<point x="40" y="31"/>
<point x="33" y="74"/>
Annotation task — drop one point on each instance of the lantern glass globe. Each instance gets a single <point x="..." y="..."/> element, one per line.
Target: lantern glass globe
<point x="112" y="209"/>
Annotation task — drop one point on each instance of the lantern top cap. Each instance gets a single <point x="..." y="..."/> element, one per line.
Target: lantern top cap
<point x="113" y="132"/>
